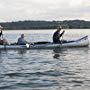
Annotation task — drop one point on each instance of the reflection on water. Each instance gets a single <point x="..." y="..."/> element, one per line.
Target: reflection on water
<point x="23" y="51"/>
<point x="58" y="52"/>
<point x="44" y="69"/>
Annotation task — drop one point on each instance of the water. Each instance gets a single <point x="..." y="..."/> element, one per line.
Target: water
<point x="58" y="69"/>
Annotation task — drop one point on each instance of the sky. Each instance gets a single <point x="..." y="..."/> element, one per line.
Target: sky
<point x="20" y="10"/>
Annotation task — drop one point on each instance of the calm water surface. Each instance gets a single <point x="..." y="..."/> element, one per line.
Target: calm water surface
<point x="58" y="69"/>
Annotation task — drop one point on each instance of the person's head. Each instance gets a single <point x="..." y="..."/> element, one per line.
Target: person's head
<point x="22" y="35"/>
<point x="1" y="27"/>
<point x="59" y="28"/>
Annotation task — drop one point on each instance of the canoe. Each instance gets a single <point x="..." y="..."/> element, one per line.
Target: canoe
<point x="81" y="42"/>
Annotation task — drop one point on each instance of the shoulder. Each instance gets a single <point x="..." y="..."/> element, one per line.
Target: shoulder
<point x="56" y="32"/>
<point x="19" y="38"/>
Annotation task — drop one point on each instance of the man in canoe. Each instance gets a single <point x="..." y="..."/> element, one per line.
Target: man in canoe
<point x="57" y="35"/>
<point x="1" y="34"/>
<point x="3" y="41"/>
<point x="21" y="40"/>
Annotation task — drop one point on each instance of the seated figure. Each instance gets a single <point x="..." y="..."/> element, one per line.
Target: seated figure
<point x="4" y="42"/>
<point x="57" y="35"/>
<point x="21" y="40"/>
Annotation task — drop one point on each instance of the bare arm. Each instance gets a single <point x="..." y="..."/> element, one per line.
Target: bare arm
<point x="62" y="34"/>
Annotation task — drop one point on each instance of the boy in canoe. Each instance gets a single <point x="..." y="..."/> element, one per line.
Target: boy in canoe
<point x="57" y="35"/>
<point x="21" y="40"/>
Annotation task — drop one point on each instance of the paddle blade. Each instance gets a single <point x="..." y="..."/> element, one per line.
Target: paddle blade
<point x="27" y="45"/>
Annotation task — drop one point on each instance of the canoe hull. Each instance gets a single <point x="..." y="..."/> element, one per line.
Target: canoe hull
<point x="82" y="42"/>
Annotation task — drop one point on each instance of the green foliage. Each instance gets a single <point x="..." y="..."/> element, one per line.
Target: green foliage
<point x="72" y="24"/>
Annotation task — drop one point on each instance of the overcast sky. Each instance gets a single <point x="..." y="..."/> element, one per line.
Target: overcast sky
<point x="15" y="10"/>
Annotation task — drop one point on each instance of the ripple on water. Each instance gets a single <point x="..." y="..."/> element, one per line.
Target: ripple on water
<point x="42" y="70"/>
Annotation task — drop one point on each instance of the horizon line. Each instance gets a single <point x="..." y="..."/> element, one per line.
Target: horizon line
<point x="44" y="20"/>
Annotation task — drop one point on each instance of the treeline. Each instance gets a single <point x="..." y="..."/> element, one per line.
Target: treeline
<point x="68" y="24"/>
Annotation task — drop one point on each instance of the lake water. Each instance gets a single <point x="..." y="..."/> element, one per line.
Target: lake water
<point x="62" y="69"/>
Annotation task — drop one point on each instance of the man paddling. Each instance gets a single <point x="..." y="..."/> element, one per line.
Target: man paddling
<point x="1" y="34"/>
<point x="3" y="41"/>
<point x="57" y="35"/>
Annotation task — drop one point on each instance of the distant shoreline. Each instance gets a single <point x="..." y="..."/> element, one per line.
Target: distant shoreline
<point x="42" y="29"/>
<point x="42" y="25"/>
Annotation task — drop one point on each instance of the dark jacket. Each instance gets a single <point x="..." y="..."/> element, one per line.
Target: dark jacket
<point x="56" y="36"/>
<point x="0" y="33"/>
